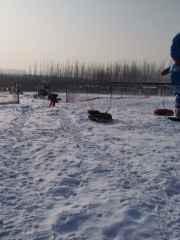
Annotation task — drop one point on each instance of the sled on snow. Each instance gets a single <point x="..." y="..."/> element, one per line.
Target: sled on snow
<point x="163" y="112"/>
<point x="96" y="115"/>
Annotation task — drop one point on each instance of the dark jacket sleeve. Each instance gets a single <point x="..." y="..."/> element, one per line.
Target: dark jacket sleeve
<point x="165" y="71"/>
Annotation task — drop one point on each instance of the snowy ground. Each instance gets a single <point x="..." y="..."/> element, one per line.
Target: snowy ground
<point x="63" y="176"/>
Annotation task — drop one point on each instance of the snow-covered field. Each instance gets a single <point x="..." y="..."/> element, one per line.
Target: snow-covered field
<point x="63" y="176"/>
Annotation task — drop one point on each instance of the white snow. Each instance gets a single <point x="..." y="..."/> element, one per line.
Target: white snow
<point x="64" y="177"/>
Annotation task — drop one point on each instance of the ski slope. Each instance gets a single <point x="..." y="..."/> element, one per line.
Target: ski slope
<point x="64" y="177"/>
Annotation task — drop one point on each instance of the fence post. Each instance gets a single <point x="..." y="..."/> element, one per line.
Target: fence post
<point x="66" y="92"/>
<point x="18" y="91"/>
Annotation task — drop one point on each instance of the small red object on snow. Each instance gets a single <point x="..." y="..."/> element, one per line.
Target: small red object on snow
<point x="163" y="112"/>
<point x="93" y="111"/>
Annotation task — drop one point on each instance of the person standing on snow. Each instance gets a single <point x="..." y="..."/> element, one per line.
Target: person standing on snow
<point x="174" y="71"/>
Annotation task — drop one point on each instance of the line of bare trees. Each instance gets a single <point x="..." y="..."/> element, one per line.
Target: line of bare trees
<point x="80" y="73"/>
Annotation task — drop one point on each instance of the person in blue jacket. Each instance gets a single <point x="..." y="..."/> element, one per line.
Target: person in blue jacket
<point x="174" y="71"/>
<point x="53" y="99"/>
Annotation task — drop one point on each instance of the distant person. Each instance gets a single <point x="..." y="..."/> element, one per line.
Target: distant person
<point x="53" y="99"/>
<point x="16" y="88"/>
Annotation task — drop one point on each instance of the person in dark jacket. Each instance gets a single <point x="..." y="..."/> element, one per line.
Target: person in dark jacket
<point x="53" y="99"/>
<point x="174" y="71"/>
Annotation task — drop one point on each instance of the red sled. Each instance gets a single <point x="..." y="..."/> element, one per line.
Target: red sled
<point x="163" y="112"/>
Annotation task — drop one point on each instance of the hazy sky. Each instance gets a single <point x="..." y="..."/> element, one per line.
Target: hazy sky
<point x="85" y="30"/>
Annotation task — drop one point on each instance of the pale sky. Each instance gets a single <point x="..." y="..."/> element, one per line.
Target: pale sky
<point x="86" y="30"/>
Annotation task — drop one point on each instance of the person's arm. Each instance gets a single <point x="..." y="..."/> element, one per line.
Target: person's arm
<point x="165" y="71"/>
